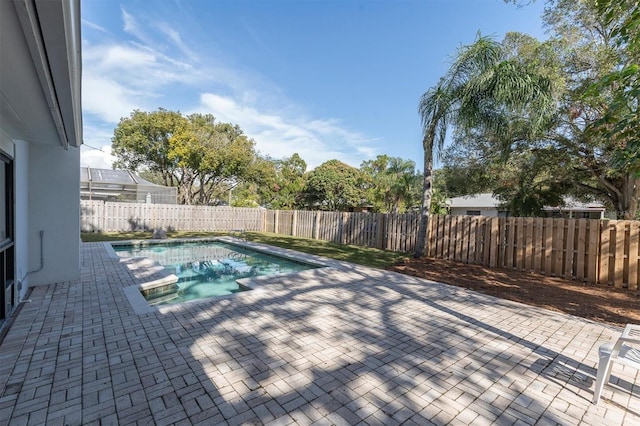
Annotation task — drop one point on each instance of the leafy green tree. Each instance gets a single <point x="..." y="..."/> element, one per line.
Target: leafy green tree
<point x="333" y="186"/>
<point x="596" y="119"/>
<point x="373" y="172"/>
<point x="439" y="196"/>
<point x="202" y="158"/>
<point x="530" y="181"/>
<point x="392" y="183"/>
<point x="468" y="167"/>
<point x="621" y="120"/>
<point x="285" y="191"/>
<point x="143" y="140"/>
<point x="589" y="146"/>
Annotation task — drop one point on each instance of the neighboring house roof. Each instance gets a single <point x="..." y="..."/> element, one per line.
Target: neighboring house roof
<point x="117" y="177"/>
<point x="572" y="204"/>
<point x="477" y="201"/>
<point x="487" y="200"/>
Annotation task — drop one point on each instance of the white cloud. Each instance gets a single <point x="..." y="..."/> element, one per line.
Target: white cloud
<point x="175" y="37"/>
<point x="122" y="57"/>
<point x="107" y="98"/>
<point x="131" y="26"/>
<point x="118" y="78"/>
<point x="98" y="159"/>
<point x="280" y="136"/>
<point x="95" y="26"/>
<point x="96" y="148"/>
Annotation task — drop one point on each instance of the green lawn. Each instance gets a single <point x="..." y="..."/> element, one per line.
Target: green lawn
<point x="360" y="255"/>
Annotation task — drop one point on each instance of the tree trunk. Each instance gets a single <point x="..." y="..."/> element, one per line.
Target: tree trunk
<point x="631" y="197"/>
<point x="421" y="244"/>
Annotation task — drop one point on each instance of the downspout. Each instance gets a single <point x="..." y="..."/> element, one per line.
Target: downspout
<point x="41" y="261"/>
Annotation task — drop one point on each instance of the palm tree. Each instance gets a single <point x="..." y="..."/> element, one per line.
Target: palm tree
<point x="482" y="89"/>
<point x="436" y="110"/>
<point x="401" y="175"/>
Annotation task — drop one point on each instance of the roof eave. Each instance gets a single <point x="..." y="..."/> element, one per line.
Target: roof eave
<point x="59" y="80"/>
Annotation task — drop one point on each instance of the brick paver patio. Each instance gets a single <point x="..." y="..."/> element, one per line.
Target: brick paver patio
<point x="339" y="345"/>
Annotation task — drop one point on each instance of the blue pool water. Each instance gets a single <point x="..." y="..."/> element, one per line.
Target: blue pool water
<point x="208" y="269"/>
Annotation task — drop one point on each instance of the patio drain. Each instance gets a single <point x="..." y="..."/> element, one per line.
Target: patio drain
<point x="572" y="375"/>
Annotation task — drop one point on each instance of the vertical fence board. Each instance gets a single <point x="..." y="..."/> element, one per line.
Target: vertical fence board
<point x="473" y="224"/>
<point x="432" y="235"/>
<point x="519" y="238"/>
<point x="538" y="244"/>
<point x="569" y="249"/>
<point x="528" y="244"/>
<point x="479" y="238"/>
<point x="619" y="255"/>
<point x="605" y="237"/>
<point x="494" y="241"/>
<point x="441" y="232"/>
<point x="486" y="241"/>
<point x="634" y="257"/>
<point x="593" y="254"/>
<point x="455" y="238"/>
<point x="445" y="239"/>
<point x="379" y="233"/>
<point x="510" y="249"/>
<point x="582" y="249"/>
<point x="465" y="239"/>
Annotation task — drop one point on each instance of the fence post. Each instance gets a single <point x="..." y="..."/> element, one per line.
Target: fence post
<point x="634" y="227"/>
<point x="605" y="248"/>
<point x="380" y="231"/>
<point x="493" y="247"/>
<point x="618" y="260"/>
<point x="294" y="223"/>
<point x="593" y="254"/>
<point x="104" y="217"/>
<point x="315" y="233"/>
<point x="569" y="248"/>
<point x="343" y="224"/>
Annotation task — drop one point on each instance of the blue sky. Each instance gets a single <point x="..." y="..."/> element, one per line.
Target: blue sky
<point x="325" y="79"/>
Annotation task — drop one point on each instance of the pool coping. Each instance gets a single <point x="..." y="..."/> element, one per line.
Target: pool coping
<point x="254" y="284"/>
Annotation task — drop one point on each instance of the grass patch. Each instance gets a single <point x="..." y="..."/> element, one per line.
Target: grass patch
<point x="354" y="254"/>
<point x="360" y="255"/>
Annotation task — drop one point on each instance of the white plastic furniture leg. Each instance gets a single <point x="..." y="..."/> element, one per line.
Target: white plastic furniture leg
<point x="618" y="353"/>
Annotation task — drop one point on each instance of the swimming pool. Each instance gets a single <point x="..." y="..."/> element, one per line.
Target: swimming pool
<point x="206" y="269"/>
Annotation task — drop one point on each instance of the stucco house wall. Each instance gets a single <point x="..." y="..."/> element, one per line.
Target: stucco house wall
<point x="477" y="204"/>
<point x="483" y="211"/>
<point x="41" y="132"/>
<point x="56" y="212"/>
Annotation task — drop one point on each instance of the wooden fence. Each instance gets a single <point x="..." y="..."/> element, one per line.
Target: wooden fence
<point x="588" y="250"/>
<point x="384" y="231"/>
<point x="100" y="216"/>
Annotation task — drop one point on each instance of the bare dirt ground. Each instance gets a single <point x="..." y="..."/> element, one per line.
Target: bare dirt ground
<point x="595" y="302"/>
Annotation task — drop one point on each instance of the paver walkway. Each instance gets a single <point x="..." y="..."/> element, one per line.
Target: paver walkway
<point x="339" y="345"/>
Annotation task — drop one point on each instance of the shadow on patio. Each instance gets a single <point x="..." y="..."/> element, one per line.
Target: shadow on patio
<point x="344" y="345"/>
